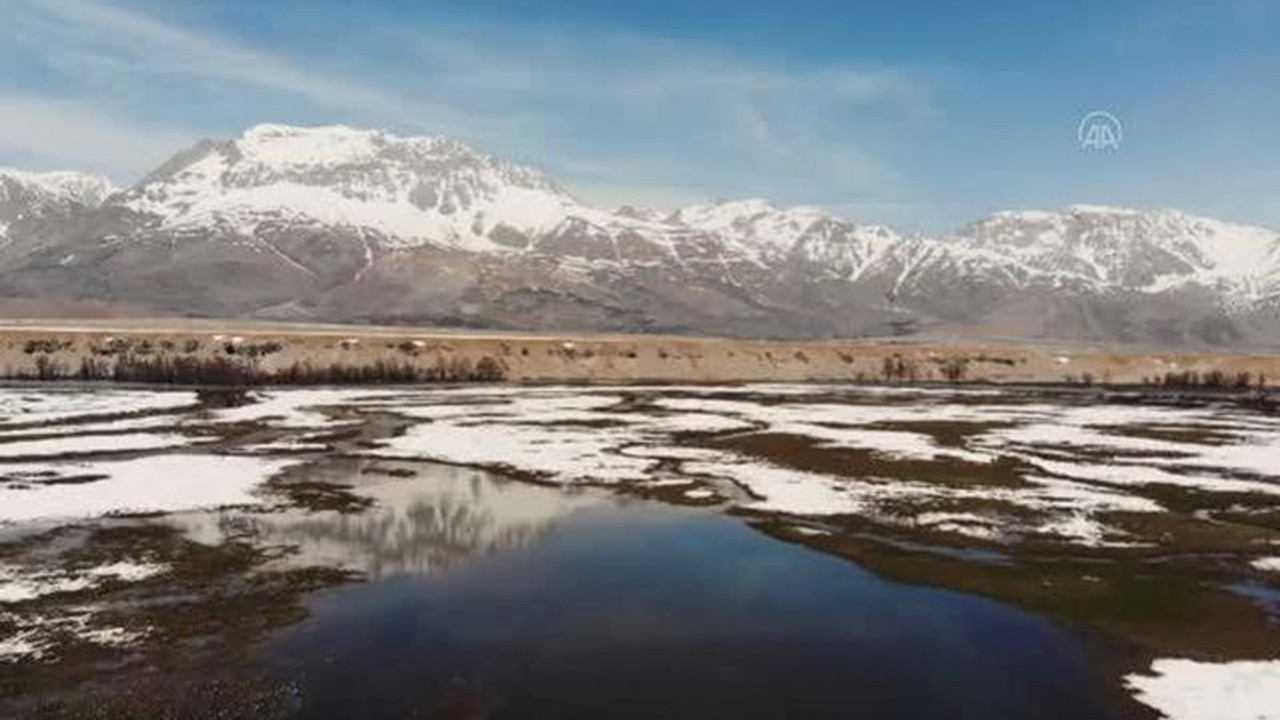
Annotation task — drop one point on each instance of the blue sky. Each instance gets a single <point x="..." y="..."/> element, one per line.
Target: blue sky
<point x="920" y="115"/>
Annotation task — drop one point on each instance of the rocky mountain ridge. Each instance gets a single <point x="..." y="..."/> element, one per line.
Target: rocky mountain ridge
<point x="334" y="223"/>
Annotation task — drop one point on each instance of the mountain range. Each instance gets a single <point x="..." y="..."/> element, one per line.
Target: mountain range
<point x="339" y="224"/>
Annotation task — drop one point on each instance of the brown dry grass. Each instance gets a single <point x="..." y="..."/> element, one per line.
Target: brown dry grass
<point x="618" y="358"/>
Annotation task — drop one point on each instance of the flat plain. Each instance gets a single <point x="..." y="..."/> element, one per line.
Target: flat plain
<point x="636" y="522"/>
<point x="273" y="347"/>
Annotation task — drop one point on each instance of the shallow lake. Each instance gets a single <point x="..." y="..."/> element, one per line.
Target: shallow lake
<point x="639" y="611"/>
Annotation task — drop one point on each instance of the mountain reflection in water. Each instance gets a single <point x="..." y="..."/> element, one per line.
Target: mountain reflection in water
<point x="415" y="524"/>
<point x="577" y="606"/>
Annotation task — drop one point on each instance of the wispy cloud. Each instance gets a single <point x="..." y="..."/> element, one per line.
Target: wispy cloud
<point x="637" y="109"/>
<point x="608" y="112"/>
<point x="49" y="134"/>
<point x="115" y="38"/>
<point x="115" y="85"/>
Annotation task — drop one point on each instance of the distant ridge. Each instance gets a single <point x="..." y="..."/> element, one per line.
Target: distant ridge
<point x="342" y="224"/>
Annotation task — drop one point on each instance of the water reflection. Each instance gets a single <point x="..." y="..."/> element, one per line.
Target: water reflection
<point x="646" y="612"/>
<point x="420" y="518"/>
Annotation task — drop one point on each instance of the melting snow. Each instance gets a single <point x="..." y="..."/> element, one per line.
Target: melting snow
<point x="1269" y="564"/>
<point x="1191" y="690"/>
<point x="550" y="432"/>
<point x="89" y="444"/>
<point x="163" y="483"/>
<point x="24" y="406"/>
<point x="292" y="408"/>
<point x="1081" y="464"/>
<point x="38" y="635"/>
<point x="18" y="584"/>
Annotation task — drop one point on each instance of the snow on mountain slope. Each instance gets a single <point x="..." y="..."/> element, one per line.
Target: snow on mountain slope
<point x="26" y="197"/>
<point x="63" y="188"/>
<point x="836" y="246"/>
<point x="1100" y="248"/>
<point x="436" y="191"/>
<point x="646" y="214"/>
<point x="340" y="223"/>
<point x="754" y="222"/>
<point x="408" y="192"/>
<point x="413" y="191"/>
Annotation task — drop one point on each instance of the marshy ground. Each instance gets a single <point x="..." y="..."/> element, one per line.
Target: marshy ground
<point x="230" y="553"/>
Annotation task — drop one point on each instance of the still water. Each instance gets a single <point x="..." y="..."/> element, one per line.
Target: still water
<point x="634" y="610"/>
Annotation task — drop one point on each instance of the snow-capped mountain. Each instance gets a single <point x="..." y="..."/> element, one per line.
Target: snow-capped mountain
<point x="393" y="193"/>
<point x="809" y="234"/>
<point x="1102" y="248"/>
<point x="345" y="224"/>
<point x="27" y="197"/>
<point x="409" y="190"/>
<point x="53" y="188"/>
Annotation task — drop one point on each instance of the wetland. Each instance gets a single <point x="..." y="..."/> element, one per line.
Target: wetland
<point x="513" y="551"/>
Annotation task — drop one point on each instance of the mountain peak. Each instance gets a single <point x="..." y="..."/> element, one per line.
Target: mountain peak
<point x="62" y="187"/>
<point x="644" y="214"/>
<point x="1132" y="249"/>
<point x="1088" y="209"/>
<point x="757" y="223"/>
<point x="330" y="145"/>
<point x="726" y="214"/>
<point x="409" y="189"/>
<point x="309" y="146"/>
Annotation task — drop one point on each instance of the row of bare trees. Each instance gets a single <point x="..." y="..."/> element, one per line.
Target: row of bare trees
<point x="236" y="370"/>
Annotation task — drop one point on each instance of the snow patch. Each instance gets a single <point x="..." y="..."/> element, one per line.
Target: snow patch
<point x="295" y="409"/>
<point x="18" y="584"/>
<point x="47" y="405"/>
<point x="1267" y="564"/>
<point x="1193" y="690"/>
<point x="37" y="636"/>
<point x="163" y="483"/>
<point x="90" y="444"/>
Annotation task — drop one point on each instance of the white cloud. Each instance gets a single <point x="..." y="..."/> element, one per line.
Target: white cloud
<point x="701" y="121"/>
<point x="143" y="43"/>
<point x="675" y="122"/>
<point x="51" y="134"/>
